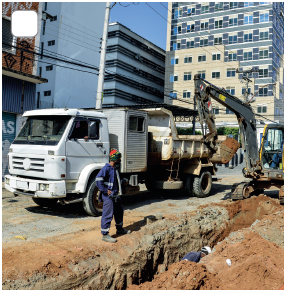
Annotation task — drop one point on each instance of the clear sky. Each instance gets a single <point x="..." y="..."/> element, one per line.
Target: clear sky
<point x="143" y="20"/>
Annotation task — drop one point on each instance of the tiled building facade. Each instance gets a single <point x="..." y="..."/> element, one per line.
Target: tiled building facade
<point x="214" y="39"/>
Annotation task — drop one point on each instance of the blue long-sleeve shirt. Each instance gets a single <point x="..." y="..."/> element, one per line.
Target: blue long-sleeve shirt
<point x="107" y="179"/>
<point x="192" y="257"/>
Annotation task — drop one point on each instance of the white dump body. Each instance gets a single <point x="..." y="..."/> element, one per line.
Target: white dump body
<point x="167" y="142"/>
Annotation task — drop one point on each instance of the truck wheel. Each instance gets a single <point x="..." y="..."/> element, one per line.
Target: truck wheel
<point x="188" y="184"/>
<point x="44" y="202"/>
<point x="202" y="185"/>
<point x="91" y="203"/>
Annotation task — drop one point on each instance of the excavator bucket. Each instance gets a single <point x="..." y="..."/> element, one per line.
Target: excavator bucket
<point x="228" y="149"/>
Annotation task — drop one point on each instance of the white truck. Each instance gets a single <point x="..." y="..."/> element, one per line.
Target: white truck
<point x="58" y="153"/>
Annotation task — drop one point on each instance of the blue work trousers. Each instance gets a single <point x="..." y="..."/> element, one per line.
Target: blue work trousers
<point x="110" y="209"/>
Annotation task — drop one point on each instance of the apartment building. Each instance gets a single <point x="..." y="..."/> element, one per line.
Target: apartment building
<point x="135" y="69"/>
<point x="70" y="33"/>
<point x="214" y="39"/>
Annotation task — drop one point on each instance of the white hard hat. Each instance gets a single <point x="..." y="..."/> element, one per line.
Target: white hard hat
<point x="206" y="250"/>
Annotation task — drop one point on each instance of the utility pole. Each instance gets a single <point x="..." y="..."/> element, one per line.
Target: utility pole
<point x="99" y="98"/>
<point x="247" y="80"/>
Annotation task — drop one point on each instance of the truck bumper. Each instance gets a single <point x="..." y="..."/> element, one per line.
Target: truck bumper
<point x="35" y="188"/>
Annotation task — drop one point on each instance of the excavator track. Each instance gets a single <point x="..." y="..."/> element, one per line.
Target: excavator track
<point x="237" y="191"/>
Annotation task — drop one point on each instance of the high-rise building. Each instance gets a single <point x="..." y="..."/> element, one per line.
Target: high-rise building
<point x="214" y="39"/>
<point x="134" y="68"/>
<point x="70" y="33"/>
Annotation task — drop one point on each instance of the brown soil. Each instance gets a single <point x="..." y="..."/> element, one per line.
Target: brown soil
<point x="183" y="276"/>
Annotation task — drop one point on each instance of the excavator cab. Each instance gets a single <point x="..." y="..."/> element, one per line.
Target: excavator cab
<point x="271" y="150"/>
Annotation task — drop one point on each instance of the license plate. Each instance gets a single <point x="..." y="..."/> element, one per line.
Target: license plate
<point x="22" y="185"/>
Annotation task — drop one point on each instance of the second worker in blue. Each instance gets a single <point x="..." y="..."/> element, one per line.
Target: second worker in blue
<point x="107" y="182"/>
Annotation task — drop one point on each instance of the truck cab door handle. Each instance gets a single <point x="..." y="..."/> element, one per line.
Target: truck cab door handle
<point x="99" y="145"/>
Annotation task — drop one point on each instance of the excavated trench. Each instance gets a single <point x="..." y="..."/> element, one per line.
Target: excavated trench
<point x="157" y="245"/>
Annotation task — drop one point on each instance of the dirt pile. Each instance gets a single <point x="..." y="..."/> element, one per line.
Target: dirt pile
<point x="182" y="276"/>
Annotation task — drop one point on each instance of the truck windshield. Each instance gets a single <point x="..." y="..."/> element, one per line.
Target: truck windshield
<point x="42" y="130"/>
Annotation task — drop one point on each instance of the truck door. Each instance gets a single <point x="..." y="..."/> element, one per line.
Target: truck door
<point x="84" y="146"/>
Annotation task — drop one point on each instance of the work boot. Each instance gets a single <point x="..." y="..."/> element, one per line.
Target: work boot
<point x="108" y="238"/>
<point x="123" y="231"/>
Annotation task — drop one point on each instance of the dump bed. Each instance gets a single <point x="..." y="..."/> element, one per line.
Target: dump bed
<point x="165" y="144"/>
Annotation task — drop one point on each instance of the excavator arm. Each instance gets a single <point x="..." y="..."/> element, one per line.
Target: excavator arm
<point x="204" y="91"/>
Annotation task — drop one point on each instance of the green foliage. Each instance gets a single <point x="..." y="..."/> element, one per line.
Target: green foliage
<point x="187" y="131"/>
<point x="228" y="130"/>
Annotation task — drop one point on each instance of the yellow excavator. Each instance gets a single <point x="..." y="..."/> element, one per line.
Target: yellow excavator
<point x="264" y="166"/>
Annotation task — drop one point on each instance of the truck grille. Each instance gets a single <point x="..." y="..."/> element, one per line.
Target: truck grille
<point x="37" y="165"/>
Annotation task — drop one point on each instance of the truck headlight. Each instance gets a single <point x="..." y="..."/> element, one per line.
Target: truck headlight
<point x="44" y="187"/>
<point x="7" y="181"/>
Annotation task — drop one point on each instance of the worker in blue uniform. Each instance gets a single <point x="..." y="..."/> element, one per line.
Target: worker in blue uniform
<point x="197" y="256"/>
<point x="107" y="182"/>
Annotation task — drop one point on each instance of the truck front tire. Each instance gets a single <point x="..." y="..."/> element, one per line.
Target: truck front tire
<point x="202" y="185"/>
<point x="91" y="203"/>
<point x="44" y="202"/>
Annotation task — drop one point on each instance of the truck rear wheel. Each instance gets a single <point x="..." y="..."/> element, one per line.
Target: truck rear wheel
<point x="44" y="202"/>
<point x="202" y="185"/>
<point x="188" y="184"/>
<point x="91" y="203"/>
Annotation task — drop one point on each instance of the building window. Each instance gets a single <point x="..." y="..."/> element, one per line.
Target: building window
<point x="264" y="17"/>
<point x="173" y="95"/>
<point x="40" y="71"/>
<point x="177" y="30"/>
<point x="218" y="24"/>
<point x="263" y="92"/>
<point x="42" y="50"/>
<point x="216" y="56"/>
<point x="216" y="111"/>
<point x="176" y="45"/>
<point x="203" y="42"/>
<point x="51" y="42"/>
<point x="190" y="44"/>
<point x="263" y="3"/>
<point x="191" y="27"/>
<point x="244" y="89"/>
<point x="263" y="35"/>
<point x="263" y="53"/>
<point x="248" y="19"/>
<point x="204" y="9"/>
<point x="44" y="27"/>
<point x="173" y="78"/>
<point x="218" y="40"/>
<point x="45" y="8"/>
<point x="191" y="11"/>
<point x="228" y="111"/>
<point x="276" y="111"/>
<point x="49" y="68"/>
<point x="219" y="6"/>
<point x="8" y="40"/>
<point x="247" y="37"/>
<point x="231" y="72"/>
<point x="232" y="39"/>
<point x="231" y="90"/>
<point x="216" y="75"/>
<point x="38" y="99"/>
<point x="202" y="74"/>
<point x="202" y="58"/>
<point x="187" y="59"/>
<point x="233" y="21"/>
<point x="247" y="56"/>
<point x="233" y="5"/>
<point x="47" y="93"/>
<point x="174" y="60"/>
<point x="232" y="57"/>
<point x="263" y="73"/>
<point x="248" y="4"/>
<point x="187" y="76"/>
<point x="186" y="94"/>
<point x="204" y="25"/>
<point x="177" y="13"/>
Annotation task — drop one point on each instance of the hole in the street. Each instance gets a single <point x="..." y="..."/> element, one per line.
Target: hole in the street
<point x="171" y="245"/>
